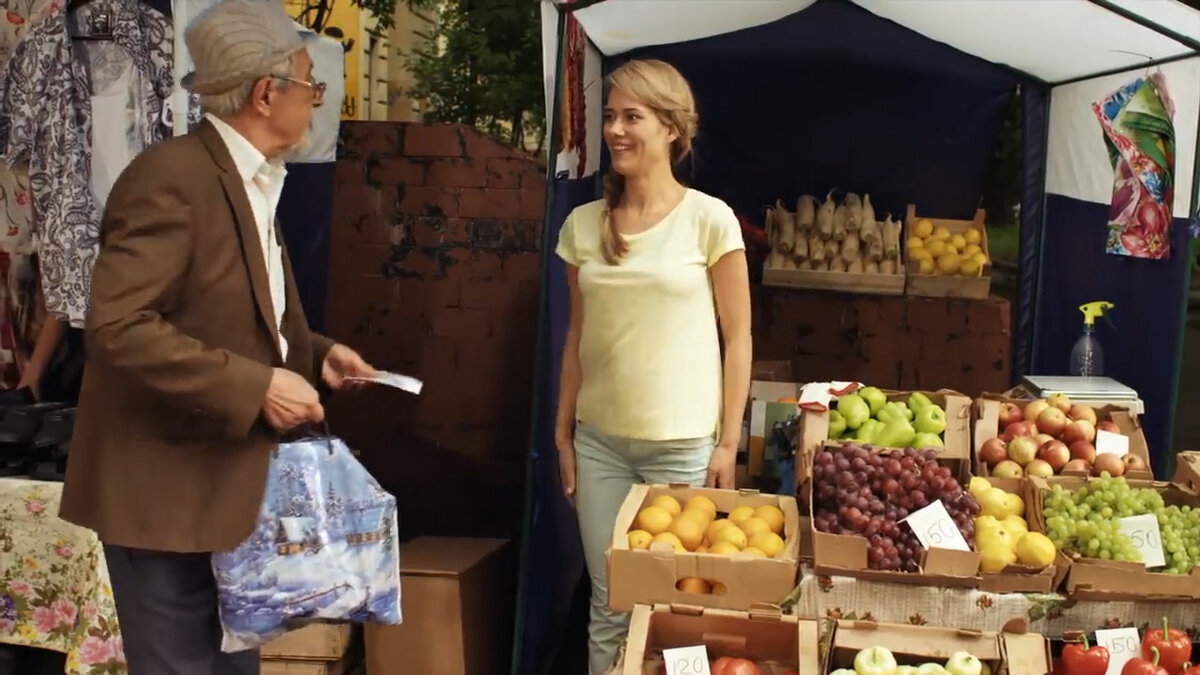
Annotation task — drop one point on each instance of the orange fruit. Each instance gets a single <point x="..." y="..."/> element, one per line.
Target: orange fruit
<point x="694" y="585"/>
<point x="773" y="515"/>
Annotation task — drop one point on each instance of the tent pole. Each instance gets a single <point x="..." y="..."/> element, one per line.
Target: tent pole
<point x="1189" y="252"/>
<point x="1142" y="21"/>
<point x="1127" y="69"/>
<point x="552" y="119"/>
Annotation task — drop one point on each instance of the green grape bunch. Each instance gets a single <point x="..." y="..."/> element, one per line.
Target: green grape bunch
<point x="1086" y="522"/>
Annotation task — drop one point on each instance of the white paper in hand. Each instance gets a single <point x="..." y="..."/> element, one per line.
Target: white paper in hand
<point x="402" y="382"/>
<point x="687" y="661"/>
<point x="1146" y="537"/>
<point x="935" y="528"/>
<point x="1123" y="645"/>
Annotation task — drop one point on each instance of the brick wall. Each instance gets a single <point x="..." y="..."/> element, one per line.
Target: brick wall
<point x="434" y="272"/>
<point x="893" y="342"/>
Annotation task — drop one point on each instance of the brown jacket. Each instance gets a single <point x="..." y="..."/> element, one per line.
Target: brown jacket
<point x="169" y="451"/>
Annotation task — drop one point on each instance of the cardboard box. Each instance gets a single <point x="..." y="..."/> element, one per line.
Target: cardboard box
<point x="814" y="428"/>
<point x="302" y="667"/>
<point x="986" y="417"/>
<point x="846" y="555"/>
<point x="458" y="596"/>
<point x="315" y="642"/>
<point x="774" y="641"/>
<point x="1187" y="470"/>
<point x="1006" y="653"/>
<point x="649" y="576"/>
<point x="1019" y="578"/>
<point x="1108" y="580"/>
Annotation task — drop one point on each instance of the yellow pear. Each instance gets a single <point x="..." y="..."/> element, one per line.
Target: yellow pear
<point x="977" y="486"/>
<point x="669" y="503"/>
<point x="994" y="557"/>
<point x="654" y="519"/>
<point x="994" y="502"/>
<point x="640" y="539"/>
<point x="1035" y="549"/>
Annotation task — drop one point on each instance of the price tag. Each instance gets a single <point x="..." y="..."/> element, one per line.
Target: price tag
<point x="935" y="528"/>
<point x="687" y="661"/>
<point x="1123" y="644"/>
<point x="1109" y="443"/>
<point x="1144" y="533"/>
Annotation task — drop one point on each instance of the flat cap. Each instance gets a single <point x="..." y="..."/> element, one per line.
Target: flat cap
<point x="236" y="41"/>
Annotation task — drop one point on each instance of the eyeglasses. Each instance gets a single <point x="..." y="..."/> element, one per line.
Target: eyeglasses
<point x="318" y="88"/>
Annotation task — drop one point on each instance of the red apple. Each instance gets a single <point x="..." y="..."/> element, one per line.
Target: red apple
<point x="1038" y="467"/>
<point x="1054" y="453"/>
<point x="1079" y="430"/>
<point x="1035" y="408"/>
<point x="1042" y="439"/>
<point x="1110" y="463"/>
<point x="1022" y="450"/>
<point x="1083" y="450"/>
<point x="1082" y="412"/>
<point x="1060" y="401"/>
<point x="1017" y="429"/>
<point x="993" y="451"/>
<point x="1009" y="413"/>
<point x="1052" y="421"/>
<point x="1108" y="425"/>
<point x="1077" y="466"/>
<point x="1007" y="469"/>
<point x="1134" y="463"/>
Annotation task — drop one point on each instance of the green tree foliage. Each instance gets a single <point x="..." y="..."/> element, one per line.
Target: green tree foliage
<point x="481" y="66"/>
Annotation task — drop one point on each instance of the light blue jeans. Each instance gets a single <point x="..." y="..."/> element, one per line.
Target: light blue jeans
<point x="607" y="466"/>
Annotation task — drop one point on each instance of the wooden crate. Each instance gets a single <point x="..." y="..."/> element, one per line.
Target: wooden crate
<point x="845" y="282"/>
<point x="288" y="667"/>
<point x="936" y="286"/>
<point x="316" y="642"/>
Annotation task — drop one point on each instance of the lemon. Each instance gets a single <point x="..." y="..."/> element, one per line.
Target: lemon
<point x="640" y="539"/>
<point x="715" y="527"/>
<point x="669" y="503"/>
<point x="668" y="538"/>
<point x="689" y="531"/>
<point x="973" y="236"/>
<point x="958" y="241"/>
<point x="969" y="267"/>
<point x="915" y="242"/>
<point x="773" y="515"/>
<point x="767" y="542"/>
<point x="995" y="557"/>
<point x="994" y="536"/>
<point x="699" y="515"/>
<point x="729" y="535"/>
<point x="654" y="519"/>
<point x="920" y="254"/>
<point x="703" y="503"/>
<point x="756" y="552"/>
<point x="941" y="233"/>
<point x="740" y="514"/>
<point x="981" y="257"/>
<point x="723" y="548"/>
<point x="1035" y="549"/>
<point x="936" y="247"/>
<point x="923" y="228"/>
<point x="972" y="249"/>
<point x="754" y="525"/>
<point x="947" y="263"/>
<point x="977" y="485"/>
<point x="1014" y="504"/>
<point x="1015" y="525"/>
<point x="926" y="266"/>
<point x="993" y="502"/>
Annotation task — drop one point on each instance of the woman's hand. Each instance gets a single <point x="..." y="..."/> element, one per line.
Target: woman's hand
<point x="566" y="464"/>
<point x="722" y="467"/>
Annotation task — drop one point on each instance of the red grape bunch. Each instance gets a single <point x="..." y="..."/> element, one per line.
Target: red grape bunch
<point x="860" y="492"/>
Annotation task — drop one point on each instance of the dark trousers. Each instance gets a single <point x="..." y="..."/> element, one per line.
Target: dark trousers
<point x="167" y="606"/>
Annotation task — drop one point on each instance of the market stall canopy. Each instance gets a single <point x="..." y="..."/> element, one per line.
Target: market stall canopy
<point x="1051" y="40"/>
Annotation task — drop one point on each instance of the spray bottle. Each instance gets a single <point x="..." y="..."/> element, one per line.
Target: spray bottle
<point x="1087" y="357"/>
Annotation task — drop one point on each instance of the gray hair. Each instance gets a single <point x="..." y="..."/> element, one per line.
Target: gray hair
<point x="229" y="103"/>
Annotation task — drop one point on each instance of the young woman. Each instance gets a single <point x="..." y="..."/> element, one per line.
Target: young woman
<point x="651" y="268"/>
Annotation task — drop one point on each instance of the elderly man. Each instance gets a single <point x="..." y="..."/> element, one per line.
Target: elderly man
<point x="199" y="354"/>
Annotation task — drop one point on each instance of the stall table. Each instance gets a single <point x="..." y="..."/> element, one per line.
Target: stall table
<point x="55" y="592"/>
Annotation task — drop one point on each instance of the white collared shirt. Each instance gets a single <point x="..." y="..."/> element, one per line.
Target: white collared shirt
<point x="263" y="181"/>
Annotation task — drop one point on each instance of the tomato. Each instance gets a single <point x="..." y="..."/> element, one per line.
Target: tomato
<point x="742" y="667"/>
<point x="720" y="666"/>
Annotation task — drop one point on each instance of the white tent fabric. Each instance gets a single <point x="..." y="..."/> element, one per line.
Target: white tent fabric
<point x="1077" y="161"/>
<point x="1053" y="40"/>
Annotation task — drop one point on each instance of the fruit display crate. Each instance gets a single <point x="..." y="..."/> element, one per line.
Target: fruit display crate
<point x="1061" y="441"/>
<point x="869" y="647"/>
<point x="775" y="643"/>
<point x="675" y="572"/>
<point x="1015" y="577"/>
<point x="949" y="286"/>
<point x="1094" y="578"/>
<point x="814" y="427"/>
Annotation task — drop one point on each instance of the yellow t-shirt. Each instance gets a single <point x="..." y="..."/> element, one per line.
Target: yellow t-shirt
<point x="649" y="347"/>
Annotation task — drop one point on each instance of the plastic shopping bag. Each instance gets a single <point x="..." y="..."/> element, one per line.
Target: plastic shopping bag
<point x="326" y="548"/>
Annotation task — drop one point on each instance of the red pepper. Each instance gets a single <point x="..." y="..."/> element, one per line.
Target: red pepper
<point x="1189" y="669"/>
<point x="1143" y="667"/>
<point x="1080" y="659"/>
<point x="1174" y="646"/>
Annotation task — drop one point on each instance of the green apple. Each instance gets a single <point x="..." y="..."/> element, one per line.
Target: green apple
<point x="854" y="409"/>
<point x="931" y="420"/>
<point x="837" y="424"/>
<point x="874" y="397"/>
<point x="925" y="440"/>
<point x="875" y="661"/>
<point x="963" y="663"/>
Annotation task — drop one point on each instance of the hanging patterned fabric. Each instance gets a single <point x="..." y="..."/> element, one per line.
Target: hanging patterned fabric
<point x="46" y="118"/>
<point x="574" y="115"/>
<point x="1140" y="136"/>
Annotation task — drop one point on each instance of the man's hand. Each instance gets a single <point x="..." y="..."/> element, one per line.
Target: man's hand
<point x="291" y="401"/>
<point x="342" y="362"/>
<point x="721" y="467"/>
